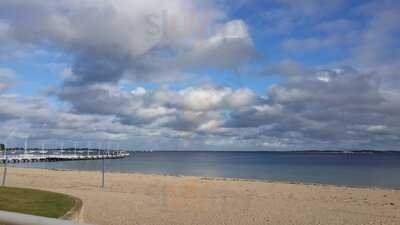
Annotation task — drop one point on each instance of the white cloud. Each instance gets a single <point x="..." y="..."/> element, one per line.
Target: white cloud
<point x="203" y="98"/>
<point x="209" y="126"/>
<point x="131" y="40"/>
<point x="229" y="47"/>
<point x="139" y="91"/>
<point x="242" y="97"/>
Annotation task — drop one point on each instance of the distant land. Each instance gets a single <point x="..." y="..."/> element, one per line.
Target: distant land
<point x="347" y="151"/>
<point x="362" y="151"/>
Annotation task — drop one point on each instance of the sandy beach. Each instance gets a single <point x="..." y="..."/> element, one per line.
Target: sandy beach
<point x="170" y="200"/>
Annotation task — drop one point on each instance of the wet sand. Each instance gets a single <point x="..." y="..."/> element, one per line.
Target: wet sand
<point x="171" y="200"/>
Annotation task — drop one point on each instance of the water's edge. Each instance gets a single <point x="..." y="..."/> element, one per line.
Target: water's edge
<point x="231" y="179"/>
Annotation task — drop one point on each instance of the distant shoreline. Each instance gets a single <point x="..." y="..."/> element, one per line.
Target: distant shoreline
<point x="294" y="151"/>
<point x="366" y="151"/>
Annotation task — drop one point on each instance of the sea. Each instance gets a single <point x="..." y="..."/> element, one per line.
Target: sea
<point x="334" y="168"/>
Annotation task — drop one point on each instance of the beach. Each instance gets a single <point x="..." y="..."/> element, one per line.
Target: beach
<point x="147" y="199"/>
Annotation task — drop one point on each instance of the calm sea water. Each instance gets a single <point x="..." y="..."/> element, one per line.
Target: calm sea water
<point x="369" y="170"/>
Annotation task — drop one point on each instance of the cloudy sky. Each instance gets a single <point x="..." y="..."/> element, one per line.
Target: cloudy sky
<point x="201" y="75"/>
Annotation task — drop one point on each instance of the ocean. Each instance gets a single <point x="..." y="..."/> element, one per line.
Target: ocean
<point x="358" y="169"/>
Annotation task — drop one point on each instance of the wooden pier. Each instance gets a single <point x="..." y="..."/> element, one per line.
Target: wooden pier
<point x="28" y="158"/>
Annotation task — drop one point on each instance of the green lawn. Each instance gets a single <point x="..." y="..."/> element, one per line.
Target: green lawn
<point x="35" y="202"/>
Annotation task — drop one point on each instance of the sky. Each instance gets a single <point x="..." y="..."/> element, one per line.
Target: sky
<point x="201" y="75"/>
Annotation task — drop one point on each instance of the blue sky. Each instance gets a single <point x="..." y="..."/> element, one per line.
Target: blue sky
<point x="279" y="74"/>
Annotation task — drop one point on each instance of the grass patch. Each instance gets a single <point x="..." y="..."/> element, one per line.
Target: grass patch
<point x="35" y="202"/>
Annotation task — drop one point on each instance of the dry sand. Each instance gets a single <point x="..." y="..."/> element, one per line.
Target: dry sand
<point x="157" y="199"/>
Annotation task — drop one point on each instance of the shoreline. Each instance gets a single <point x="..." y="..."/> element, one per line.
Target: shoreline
<point x="223" y="178"/>
<point x="133" y="198"/>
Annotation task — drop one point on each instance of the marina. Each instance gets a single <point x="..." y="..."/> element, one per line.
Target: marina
<point x="62" y="156"/>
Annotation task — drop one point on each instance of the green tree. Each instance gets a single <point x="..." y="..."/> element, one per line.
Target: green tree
<point x="2" y="147"/>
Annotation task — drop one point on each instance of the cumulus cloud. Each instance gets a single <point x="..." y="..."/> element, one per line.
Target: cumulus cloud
<point x="129" y="41"/>
<point x="186" y="109"/>
<point x="117" y="115"/>
<point x="331" y="108"/>
<point x="336" y="106"/>
<point x="114" y="48"/>
<point x="35" y="119"/>
<point x="340" y="106"/>
<point x="378" y="48"/>
<point x="110" y="41"/>
<point x="230" y="46"/>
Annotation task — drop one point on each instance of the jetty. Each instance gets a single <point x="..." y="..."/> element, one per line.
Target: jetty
<point x="30" y="158"/>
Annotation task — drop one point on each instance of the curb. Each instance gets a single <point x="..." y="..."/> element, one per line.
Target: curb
<point x="76" y="212"/>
